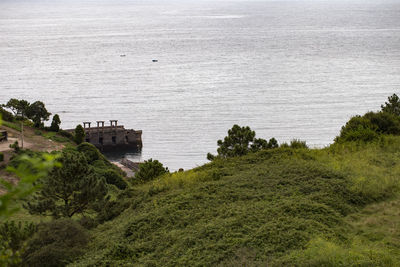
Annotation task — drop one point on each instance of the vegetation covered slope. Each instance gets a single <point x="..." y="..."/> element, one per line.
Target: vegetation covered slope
<point x="281" y="206"/>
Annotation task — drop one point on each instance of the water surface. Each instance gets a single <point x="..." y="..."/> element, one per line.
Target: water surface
<point x="288" y="69"/>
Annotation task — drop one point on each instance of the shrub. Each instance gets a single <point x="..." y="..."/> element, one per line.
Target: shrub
<point x="296" y="143"/>
<point x="66" y="134"/>
<point x="111" y="209"/>
<point x="150" y="169"/>
<point x="384" y="123"/>
<point x="16" y="234"/>
<point x="56" y="243"/>
<point x="90" y="151"/>
<point x="15" y="146"/>
<point x="7" y="116"/>
<point x="367" y="128"/>
<point x="113" y="177"/>
<point x="1" y="156"/>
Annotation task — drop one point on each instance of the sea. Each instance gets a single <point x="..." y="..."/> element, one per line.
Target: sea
<point x="288" y="69"/>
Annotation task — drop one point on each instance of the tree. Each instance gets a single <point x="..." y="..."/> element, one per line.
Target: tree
<point x="38" y="113"/>
<point x="237" y="143"/>
<point x="7" y="116"/>
<point x="79" y="134"/>
<point x="392" y="106"/>
<point x="273" y="143"/>
<point x="150" y="169"/>
<point x="240" y="141"/>
<point x="55" y="123"/>
<point x="28" y="170"/>
<point x="68" y="190"/>
<point x="18" y="107"/>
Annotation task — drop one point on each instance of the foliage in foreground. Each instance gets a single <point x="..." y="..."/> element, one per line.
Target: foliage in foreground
<point x="56" y="243"/>
<point x="262" y="206"/>
<point x="68" y="190"/>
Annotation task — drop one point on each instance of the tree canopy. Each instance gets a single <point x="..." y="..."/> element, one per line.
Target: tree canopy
<point x="392" y="106"/>
<point x="68" y="190"/>
<point x="240" y="141"/>
<point x="55" y="123"/>
<point x="38" y="113"/>
<point x="79" y="134"/>
<point x="150" y="169"/>
<point x="18" y="107"/>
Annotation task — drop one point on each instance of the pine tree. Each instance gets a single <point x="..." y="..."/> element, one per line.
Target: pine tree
<point x="68" y="190"/>
<point x="55" y="123"/>
<point x="79" y="134"/>
<point x="239" y="142"/>
<point x="392" y="106"/>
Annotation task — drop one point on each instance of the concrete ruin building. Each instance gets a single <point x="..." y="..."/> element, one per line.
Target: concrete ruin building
<point x="112" y="137"/>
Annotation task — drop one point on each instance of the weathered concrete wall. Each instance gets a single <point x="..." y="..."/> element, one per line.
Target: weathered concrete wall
<point x="108" y="138"/>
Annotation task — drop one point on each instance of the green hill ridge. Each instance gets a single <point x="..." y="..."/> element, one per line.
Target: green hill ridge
<point x="276" y="207"/>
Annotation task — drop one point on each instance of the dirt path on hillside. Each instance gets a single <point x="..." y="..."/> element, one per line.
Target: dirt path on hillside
<point x="31" y="141"/>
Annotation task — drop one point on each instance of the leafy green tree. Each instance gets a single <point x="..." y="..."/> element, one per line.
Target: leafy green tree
<point x="7" y="116"/>
<point x="55" y="123"/>
<point x="18" y="107"/>
<point x="150" y="169"/>
<point x="38" y="113"/>
<point x="392" y="106"/>
<point x="68" y="190"/>
<point x="56" y="243"/>
<point x="79" y="134"/>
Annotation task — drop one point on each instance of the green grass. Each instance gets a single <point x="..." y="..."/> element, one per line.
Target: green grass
<point x="276" y="207"/>
<point x="13" y="125"/>
<point x="55" y="137"/>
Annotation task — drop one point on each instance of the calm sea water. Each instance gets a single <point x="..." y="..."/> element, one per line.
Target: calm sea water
<point x="288" y="69"/>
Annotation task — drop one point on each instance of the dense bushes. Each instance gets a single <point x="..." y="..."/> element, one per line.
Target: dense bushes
<point x="368" y="127"/>
<point x="90" y="151"/>
<point x="272" y="202"/>
<point x="16" y="233"/>
<point x="149" y="170"/>
<point x="113" y="177"/>
<point x="56" y="243"/>
<point x="371" y="125"/>
<point x="5" y="115"/>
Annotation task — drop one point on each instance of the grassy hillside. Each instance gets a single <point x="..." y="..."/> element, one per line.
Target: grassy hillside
<point x="336" y="206"/>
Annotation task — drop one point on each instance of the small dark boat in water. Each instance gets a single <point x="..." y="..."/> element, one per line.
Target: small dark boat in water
<point x="155" y="60"/>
